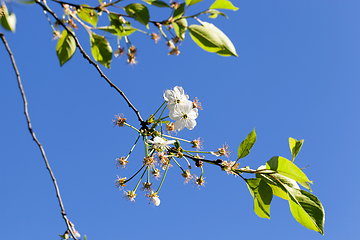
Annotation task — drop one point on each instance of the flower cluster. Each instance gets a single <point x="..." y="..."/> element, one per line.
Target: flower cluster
<point x="182" y="110"/>
<point x="162" y="153"/>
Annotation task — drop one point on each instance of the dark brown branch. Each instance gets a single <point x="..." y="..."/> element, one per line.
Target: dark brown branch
<point x="217" y="162"/>
<point x="34" y="137"/>
<point x="99" y="8"/>
<point x="142" y="122"/>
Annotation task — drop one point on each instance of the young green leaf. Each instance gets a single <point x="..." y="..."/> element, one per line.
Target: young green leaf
<point x="287" y="168"/>
<point x="139" y="12"/>
<point x="179" y="11"/>
<point x="8" y="21"/>
<point x="192" y="2"/>
<point x="307" y="209"/>
<point x="87" y="15"/>
<point x="157" y="3"/>
<point x="246" y="145"/>
<point x="223" y="4"/>
<point x="212" y="39"/>
<point x="180" y="27"/>
<point x="262" y="194"/>
<point x="214" y="13"/>
<point x="65" y="47"/>
<point x="295" y="146"/>
<point x="101" y="49"/>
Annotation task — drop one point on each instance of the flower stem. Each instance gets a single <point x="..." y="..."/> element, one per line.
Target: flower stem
<point x="162" y="180"/>
<point x="196" y="152"/>
<point x="178" y="164"/>
<point x="137" y="185"/>
<point x="159" y="108"/>
<point x="177" y="138"/>
<point x="132" y="127"/>
<point x="135" y="174"/>
<point x="133" y="147"/>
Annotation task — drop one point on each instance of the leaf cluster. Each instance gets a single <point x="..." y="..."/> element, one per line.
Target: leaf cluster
<point x="280" y="177"/>
<point x="206" y="35"/>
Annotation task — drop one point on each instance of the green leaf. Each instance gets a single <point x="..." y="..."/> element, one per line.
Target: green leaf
<point x="276" y="182"/>
<point x="8" y="21"/>
<point x="262" y="194"/>
<point x="88" y="15"/>
<point x="295" y="146"/>
<point x="287" y="168"/>
<point x="192" y="2"/>
<point x="212" y="39"/>
<point x="139" y="12"/>
<point x="180" y="27"/>
<point x="307" y="209"/>
<point x="179" y="11"/>
<point x="65" y="47"/>
<point x="117" y="27"/>
<point x="246" y="145"/>
<point x="177" y="144"/>
<point x="223" y="4"/>
<point x="26" y="2"/>
<point x="101" y="49"/>
<point x="306" y="185"/>
<point x="125" y="32"/>
<point x="157" y="3"/>
<point x="214" y="13"/>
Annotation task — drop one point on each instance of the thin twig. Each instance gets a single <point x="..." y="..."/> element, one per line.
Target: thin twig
<point x="33" y="134"/>
<point x="142" y="122"/>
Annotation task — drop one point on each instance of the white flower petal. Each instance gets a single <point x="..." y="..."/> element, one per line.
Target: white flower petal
<point x="156" y="201"/>
<point x="179" y="124"/>
<point x="175" y="97"/>
<point x="190" y="124"/>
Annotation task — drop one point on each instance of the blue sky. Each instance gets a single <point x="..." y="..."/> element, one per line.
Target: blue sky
<point x="297" y="75"/>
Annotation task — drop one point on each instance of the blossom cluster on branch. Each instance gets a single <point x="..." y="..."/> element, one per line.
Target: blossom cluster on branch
<point x="279" y="176"/>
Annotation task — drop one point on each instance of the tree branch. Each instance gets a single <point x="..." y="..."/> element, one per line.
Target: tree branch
<point x="34" y="137"/>
<point x="45" y="8"/>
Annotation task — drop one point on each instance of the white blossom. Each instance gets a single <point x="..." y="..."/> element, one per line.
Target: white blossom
<point x="155" y="200"/>
<point x="175" y="97"/>
<point x="160" y="143"/>
<point x="184" y="115"/>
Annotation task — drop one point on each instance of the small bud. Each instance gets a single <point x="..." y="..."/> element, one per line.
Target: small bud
<point x="119" y="52"/>
<point x="154" y="198"/>
<point x="186" y="174"/>
<point x="174" y="51"/>
<point x="148" y="160"/>
<point x="200" y="181"/>
<point x="121" y="162"/>
<point x="130" y="195"/>
<point x="120" y="120"/>
<point x="155" y="37"/>
<point x="156" y="173"/>
<point x="197" y="104"/>
<point x="120" y="182"/>
<point x="197" y="143"/>
<point x="146" y="186"/>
